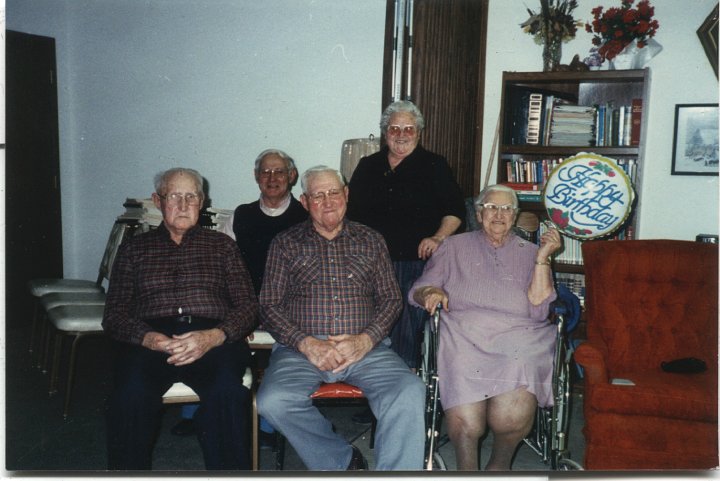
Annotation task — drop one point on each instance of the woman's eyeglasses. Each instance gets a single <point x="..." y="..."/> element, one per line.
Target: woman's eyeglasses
<point x="505" y="209"/>
<point x="409" y="130"/>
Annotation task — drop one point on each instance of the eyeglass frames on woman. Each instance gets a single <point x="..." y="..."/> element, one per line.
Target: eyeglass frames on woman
<point x="409" y="130"/>
<point x="278" y="173"/>
<point x="177" y="198"/>
<point x="319" y="197"/>
<point x="505" y="209"/>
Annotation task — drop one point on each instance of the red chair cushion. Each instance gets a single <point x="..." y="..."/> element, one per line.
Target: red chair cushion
<point x="337" y="390"/>
<point x="656" y="393"/>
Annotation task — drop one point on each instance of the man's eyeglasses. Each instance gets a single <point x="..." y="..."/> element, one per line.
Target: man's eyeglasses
<point x="278" y="173"/>
<point x="506" y="209"/>
<point x="319" y="197"/>
<point x="409" y="130"/>
<point x="176" y="198"/>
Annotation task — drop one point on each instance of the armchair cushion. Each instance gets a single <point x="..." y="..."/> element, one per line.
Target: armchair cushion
<point x="650" y="301"/>
<point x="656" y="393"/>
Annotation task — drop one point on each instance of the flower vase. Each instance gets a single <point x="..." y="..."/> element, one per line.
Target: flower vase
<point x="552" y="52"/>
<point x="632" y="56"/>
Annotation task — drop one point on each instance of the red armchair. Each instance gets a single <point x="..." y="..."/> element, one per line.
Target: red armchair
<point x="650" y="301"/>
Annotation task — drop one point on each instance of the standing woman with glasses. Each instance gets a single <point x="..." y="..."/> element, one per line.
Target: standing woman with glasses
<point x="495" y="357"/>
<point x="410" y="196"/>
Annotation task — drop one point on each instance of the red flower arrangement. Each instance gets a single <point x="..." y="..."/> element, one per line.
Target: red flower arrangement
<point x="618" y="27"/>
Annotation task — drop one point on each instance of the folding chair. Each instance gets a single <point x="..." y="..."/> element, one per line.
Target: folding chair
<point x="181" y="393"/>
<point x="52" y="293"/>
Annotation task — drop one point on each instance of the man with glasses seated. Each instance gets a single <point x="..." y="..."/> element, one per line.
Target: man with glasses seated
<point x="330" y="298"/>
<point x="180" y="304"/>
<point x="253" y="226"/>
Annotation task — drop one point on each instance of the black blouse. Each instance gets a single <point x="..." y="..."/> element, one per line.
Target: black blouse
<point x="406" y="204"/>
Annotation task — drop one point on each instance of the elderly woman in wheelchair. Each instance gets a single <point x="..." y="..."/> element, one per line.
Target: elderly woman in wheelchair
<point x="495" y="359"/>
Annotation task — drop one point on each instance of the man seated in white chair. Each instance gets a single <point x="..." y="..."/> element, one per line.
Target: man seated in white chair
<point x="330" y="298"/>
<point x="180" y="304"/>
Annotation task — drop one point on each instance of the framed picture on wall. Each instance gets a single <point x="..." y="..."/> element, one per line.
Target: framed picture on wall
<point x="695" y="144"/>
<point x="708" y="34"/>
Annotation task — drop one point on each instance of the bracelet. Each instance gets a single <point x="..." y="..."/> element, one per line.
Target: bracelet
<point x="546" y="263"/>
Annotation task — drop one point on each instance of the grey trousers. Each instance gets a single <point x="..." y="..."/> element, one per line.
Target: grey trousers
<point x="396" y="397"/>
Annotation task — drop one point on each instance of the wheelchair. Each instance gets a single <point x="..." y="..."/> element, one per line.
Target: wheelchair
<point x="433" y="460"/>
<point x="549" y="435"/>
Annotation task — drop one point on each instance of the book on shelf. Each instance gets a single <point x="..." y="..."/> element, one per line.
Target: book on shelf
<point x="529" y="195"/>
<point x="614" y="126"/>
<point x="529" y="172"/>
<point x="517" y="118"/>
<point x="523" y="186"/>
<point x="535" y="111"/>
<point x="636" y="109"/>
<point x="573" y="281"/>
<point x="572" y="125"/>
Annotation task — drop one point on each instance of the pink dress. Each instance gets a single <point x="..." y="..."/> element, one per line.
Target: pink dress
<point x="492" y="339"/>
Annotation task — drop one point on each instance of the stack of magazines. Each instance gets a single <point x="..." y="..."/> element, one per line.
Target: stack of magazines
<point x="572" y="125"/>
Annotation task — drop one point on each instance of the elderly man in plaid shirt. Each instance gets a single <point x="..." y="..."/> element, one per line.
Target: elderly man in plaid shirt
<point x="330" y="298"/>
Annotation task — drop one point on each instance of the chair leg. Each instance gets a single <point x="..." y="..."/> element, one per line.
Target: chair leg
<point x="34" y="326"/>
<point x="255" y="427"/>
<point x="55" y="370"/>
<point x="280" y="454"/>
<point x="45" y="339"/>
<point x="71" y="373"/>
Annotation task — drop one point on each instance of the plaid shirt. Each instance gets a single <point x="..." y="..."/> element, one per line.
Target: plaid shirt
<point x="154" y="277"/>
<point x="315" y="286"/>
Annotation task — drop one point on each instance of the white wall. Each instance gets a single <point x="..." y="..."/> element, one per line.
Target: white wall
<point x="149" y="84"/>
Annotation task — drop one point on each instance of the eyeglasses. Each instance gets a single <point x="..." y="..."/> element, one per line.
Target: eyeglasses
<point x="279" y="173"/>
<point x="409" y="130"/>
<point x="176" y="198"/>
<point x="319" y="197"/>
<point x="506" y="209"/>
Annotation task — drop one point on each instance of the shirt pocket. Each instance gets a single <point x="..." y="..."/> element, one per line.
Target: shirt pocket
<point x="304" y="271"/>
<point x="359" y="270"/>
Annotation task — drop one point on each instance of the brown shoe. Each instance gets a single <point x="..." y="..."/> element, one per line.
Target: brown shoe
<point x="357" y="461"/>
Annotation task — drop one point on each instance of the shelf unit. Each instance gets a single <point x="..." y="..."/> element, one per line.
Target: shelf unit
<point x="590" y="88"/>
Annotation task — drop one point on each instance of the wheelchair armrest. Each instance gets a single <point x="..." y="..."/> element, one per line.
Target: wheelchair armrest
<point x="593" y="362"/>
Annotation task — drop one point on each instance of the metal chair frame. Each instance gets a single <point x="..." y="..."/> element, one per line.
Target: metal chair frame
<point x="549" y="435"/>
<point x="432" y="459"/>
<point x="337" y="394"/>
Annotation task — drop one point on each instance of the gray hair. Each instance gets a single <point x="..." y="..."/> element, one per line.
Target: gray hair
<point x="289" y="162"/>
<point x="485" y="193"/>
<point x="317" y="170"/>
<point x="401" y="106"/>
<point x="162" y="178"/>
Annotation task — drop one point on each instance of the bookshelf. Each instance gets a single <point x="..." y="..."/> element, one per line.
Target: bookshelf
<point x="612" y="124"/>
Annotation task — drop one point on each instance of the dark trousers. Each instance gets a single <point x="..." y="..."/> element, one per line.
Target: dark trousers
<point x="406" y="334"/>
<point x="142" y="376"/>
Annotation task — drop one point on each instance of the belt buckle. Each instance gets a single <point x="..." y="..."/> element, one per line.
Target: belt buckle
<point x="185" y="319"/>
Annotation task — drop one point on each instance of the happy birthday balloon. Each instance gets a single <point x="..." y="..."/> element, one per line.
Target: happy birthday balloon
<point x="588" y="196"/>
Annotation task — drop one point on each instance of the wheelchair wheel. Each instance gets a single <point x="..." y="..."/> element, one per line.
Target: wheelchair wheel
<point x="438" y="463"/>
<point x="568" y="465"/>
